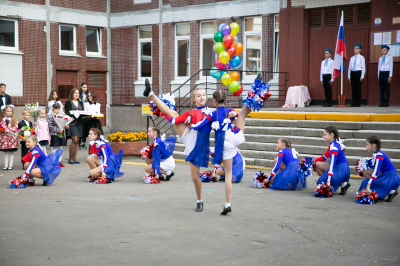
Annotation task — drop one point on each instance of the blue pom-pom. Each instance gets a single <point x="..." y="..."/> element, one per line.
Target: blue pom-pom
<point x="257" y="95"/>
<point x="306" y="167"/>
<point x="168" y="99"/>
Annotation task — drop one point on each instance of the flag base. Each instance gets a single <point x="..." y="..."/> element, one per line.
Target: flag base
<point x="341" y="99"/>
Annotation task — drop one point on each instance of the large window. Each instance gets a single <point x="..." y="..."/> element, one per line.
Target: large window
<point x="252" y="45"/>
<point x="144" y="52"/>
<point x="93" y="41"/>
<point x="182" y="50"/>
<point x="207" y="55"/>
<point x="8" y="34"/>
<point x="67" y="39"/>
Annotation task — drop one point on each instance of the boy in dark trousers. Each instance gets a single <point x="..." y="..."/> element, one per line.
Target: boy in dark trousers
<point x="26" y="115"/>
<point x="385" y="71"/>
<point x="356" y="74"/>
<point x="326" y="77"/>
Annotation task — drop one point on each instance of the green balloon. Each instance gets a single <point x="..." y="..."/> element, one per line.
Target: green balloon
<point x="234" y="86"/>
<point x="219" y="47"/>
<point x="218" y="36"/>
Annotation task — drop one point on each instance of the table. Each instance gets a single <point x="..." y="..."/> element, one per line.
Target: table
<point x="297" y="96"/>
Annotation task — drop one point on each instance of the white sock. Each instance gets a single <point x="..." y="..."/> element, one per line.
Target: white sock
<point x="11" y="155"/>
<point x="199" y="201"/>
<point x="151" y="93"/>
<point x="31" y="180"/>
<point x="392" y="191"/>
<point x="6" y="158"/>
<point x="344" y="184"/>
<point x="168" y="173"/>
<point x="227" y="205"/>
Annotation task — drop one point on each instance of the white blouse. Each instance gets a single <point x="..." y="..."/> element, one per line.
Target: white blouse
<point x="50" y="107"/>
<point x="94" y="107"/>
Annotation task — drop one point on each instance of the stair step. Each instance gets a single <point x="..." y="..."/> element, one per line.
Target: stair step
<point x="363" y="134"/>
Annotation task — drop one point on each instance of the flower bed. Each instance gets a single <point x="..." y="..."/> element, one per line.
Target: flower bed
<point x="130" y="143"/>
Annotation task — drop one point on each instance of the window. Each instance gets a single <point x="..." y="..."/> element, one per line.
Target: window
<point x="276" y="44"/>
<point x="252" y="45"/>
<point x="207" y="55"/>
<point x="67" y="39"/>
<point x="144" y="52"/>
<point x="93" y="42"/>
<point x="182" y="50"/>
<point x="8" y="34"/>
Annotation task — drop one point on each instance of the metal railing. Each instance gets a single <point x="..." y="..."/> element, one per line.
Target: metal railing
<point x="210" y="84"/>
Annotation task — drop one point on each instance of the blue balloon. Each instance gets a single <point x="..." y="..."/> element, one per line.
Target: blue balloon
<point x="215" y="73"/>
<point x="236" y="61"/>
<point x="236" y="39"/>
<point x="239" y="66"/>
<point x="220" y="26"/>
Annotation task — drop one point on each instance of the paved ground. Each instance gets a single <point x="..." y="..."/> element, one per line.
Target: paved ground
<point x="74" y="222"/>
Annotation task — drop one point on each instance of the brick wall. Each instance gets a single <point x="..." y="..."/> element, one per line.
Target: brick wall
<point x="168" y="56"/>
<point x="33" y="62"/>
<point x="194" y="50"/>
<point x="155" y="54"/>
<point x="36" y="2"/>
<point x="117" y="6"/>
<point x="89" y="5"/>
<point x="267" y="44"/>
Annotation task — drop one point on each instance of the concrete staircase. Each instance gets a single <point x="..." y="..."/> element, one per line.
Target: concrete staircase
<point x="306" y="137"/>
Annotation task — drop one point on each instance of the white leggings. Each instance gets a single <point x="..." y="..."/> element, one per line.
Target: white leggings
<point x="8" y="158"/>
<point x="53" y="149"/>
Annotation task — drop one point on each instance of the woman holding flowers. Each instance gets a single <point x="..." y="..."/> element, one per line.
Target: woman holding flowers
<point x="75" y="130"/>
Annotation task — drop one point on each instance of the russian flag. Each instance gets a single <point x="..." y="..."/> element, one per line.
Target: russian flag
<point x="340" y="47"/>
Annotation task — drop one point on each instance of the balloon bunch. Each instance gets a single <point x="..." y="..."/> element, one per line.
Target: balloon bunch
<point x="228" y="48"/>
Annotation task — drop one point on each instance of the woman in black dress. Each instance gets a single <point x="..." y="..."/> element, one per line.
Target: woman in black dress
<point x="75" y="130"/>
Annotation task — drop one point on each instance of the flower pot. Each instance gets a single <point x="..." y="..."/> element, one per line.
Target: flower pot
<point x="128" y="148"/>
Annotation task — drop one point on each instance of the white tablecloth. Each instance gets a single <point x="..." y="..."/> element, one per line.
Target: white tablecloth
<point x="297" y="96"/>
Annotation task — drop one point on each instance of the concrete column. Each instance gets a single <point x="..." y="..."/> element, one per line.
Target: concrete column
<point x="109" y="94"/>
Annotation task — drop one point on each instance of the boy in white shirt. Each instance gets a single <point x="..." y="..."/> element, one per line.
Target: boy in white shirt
<point x="356" y="74"/>
<point x="326" y="77"/>
<point x="385" y="71"/>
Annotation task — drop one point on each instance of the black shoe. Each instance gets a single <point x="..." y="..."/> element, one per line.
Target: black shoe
<point x="83" y="147"/>
<point x="5" y="168"/>
<point x="222" y="178"/>
<point x="386" y="105"/>
<point x="259" y="76"/>
<point x="44" y="183"/>
<point x="327" y="105"/>
<point x="71" y="162"/>
<point x="344" y="189"/>
<point x="199" y="207"/>
<point x="161" y="177"/>
<point x="30" y="184"/>
<point x="353" y="105"/>
<point x="391" y="196"/>
<point x="169" y="176"/>
<point x="358" y="105"/>
<point x="381" y="105"/>
<point x="147" y="89"/>
<point x="225" y="211"/>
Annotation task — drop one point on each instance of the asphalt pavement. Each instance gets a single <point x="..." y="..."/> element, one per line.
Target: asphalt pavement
<point x="74" y="222"/>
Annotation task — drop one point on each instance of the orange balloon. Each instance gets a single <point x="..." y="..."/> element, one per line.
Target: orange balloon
<point x="239" y="48"/>
<point x="234" y="76"/>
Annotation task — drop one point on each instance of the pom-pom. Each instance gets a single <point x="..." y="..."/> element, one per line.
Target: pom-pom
<point x="306" y="167"/>
<point x="207" y="176"/>
<point x="91" y="179"/>
<point x="147" y="151"/>
<point x="259" y="179"/>
<point x="363" y="198"/>
<point x="151" y="179"/>
<point x="212" y="152"/>
<point x="323" y="191"/>
<point x="257" y="95"/>
<point x="18" y="183"/>
<point x="102" y="180"/>
<point x="364" y="164"/>
<point x="167" y="98"/>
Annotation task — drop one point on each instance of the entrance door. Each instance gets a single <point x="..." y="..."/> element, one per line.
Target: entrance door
<point x="97" y="82"/>
<point x="66" y="80"/>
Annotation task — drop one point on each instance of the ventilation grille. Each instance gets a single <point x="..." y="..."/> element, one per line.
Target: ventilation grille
<point x="331" y="17"/>
<point x="348" y="15"/>
<point x="315" y="18"/>
<point x="363" y="14"/>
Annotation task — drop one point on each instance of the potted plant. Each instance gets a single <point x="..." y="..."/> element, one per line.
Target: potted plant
<point x="131" y="143"/>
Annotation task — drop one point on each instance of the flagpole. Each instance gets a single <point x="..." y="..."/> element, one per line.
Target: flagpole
<point x="341" y="67"/>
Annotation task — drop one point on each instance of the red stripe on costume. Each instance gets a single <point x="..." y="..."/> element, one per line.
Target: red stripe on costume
<point x="102" y="146"/>
<point x="280" y="154"/>
<point x="208" y="117"/>
<point x="334" y="152"/>
<point x="330" y="174"/>
<point x="104" y="166"/>
<point x="380" y="158"/>
<point x="36" y="155"/>
<point x="26" y="174"/>
<point x="373" y="177"/>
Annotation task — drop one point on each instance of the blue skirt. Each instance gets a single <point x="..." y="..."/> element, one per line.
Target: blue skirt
<point x="200" y="154"/>
<point x="219" y="141"/>
<point x="341" y="173"/>
<point x="383" y="184"/>
<point x="113" y="164"/>
<point x="50" y="167"/>
<point x="237" y="168"/>
<point x="289" y="178"/>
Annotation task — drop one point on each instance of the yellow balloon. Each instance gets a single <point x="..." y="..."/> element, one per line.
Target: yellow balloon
<point x="226" y="79"/>
<point x="224" y="57"/>
<point x="234" y="28"/>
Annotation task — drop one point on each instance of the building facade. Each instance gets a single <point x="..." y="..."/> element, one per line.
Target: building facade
<point x="114" y="45"/>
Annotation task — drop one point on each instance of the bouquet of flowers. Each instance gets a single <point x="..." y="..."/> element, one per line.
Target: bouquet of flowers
<point x="24" y="132"/>
<point x="35" y="110"/>
<point x="62" y="121"/>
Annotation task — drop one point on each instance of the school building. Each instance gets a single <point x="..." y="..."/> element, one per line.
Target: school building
<point x="113" y="45"/>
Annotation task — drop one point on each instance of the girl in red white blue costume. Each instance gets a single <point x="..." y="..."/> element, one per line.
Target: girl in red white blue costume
<point x="337" y="173"/>
<point x="162" y="161"/>
<point x="384" y="178"/>
<point x="285" y="174"/>
<point x="47" y="167"/>
<point x="105" y="166"/>
<point x="238" y="166"/>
